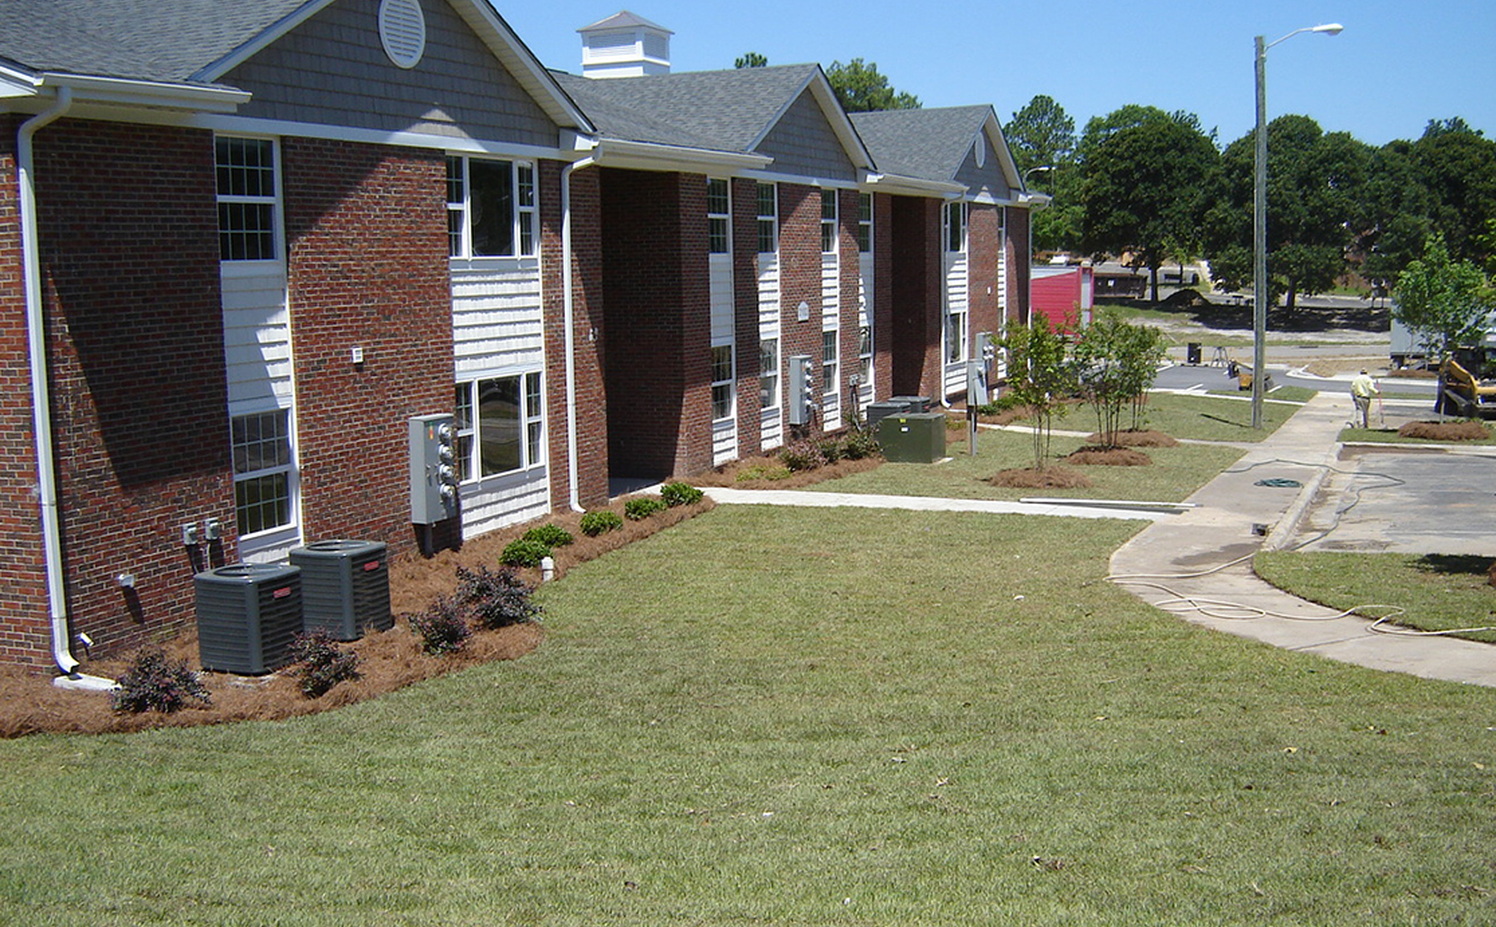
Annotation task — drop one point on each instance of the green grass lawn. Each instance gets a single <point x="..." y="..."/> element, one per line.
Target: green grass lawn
<point x="804" y="717"/>
<point x="1436" y="592"/>
<point x="1390" y="436"/>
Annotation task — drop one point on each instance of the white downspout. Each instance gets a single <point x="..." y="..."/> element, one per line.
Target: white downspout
<point x="40" y="396"/>
<point x="572" y="467"/>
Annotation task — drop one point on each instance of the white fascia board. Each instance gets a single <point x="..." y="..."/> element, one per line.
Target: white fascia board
<point x="522" y="63"/>
<point x="647" y="156"/>
<point x="17" y="83"/>
<point x="804" y="180"/>
<point x="241" y="125"/>
<point x="257" y="44"/>
<point x="912" y="186"/>
<point x="994" y="131"/>
<point x="1034" y="201"/>
<point x="116" y="91"/>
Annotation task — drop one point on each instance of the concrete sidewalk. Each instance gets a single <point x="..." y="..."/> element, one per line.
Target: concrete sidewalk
<point x="1197" y="564"/>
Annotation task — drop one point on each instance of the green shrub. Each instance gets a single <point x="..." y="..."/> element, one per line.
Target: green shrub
<point x="673" y="494"/>
<point x="802" y="455"/>
<point x="496" y="600"/>
<point x="442" y="627"/>
<point x="762" y="472"/>
<point x="321" y="663"/>
<point x="524" y="552"/>
<point x="831" y="449"/>
<point x="643" y="507"/>
<point x="549" y="535"/>
<point x="155" y="683"/>
<point x="599" y="522"/>
<point x="860" y="444"/>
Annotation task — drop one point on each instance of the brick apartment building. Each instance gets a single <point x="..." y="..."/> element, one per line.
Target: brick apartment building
<point x="241" y="244"/>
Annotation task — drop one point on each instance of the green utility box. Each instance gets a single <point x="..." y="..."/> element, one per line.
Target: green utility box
<point x="912" y="437"/>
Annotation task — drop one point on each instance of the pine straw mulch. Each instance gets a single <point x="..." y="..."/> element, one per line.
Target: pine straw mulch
<point x="1445" y="431"/>
<point x="1051" y="477"/>
<point x="1096" y="455"/>
<point x="1135" y="437"/>
<point x="770" y="473"/>
<point x="388" y="660"/>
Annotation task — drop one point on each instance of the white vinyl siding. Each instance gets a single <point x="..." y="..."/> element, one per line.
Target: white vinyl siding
<point x="956" y="300"/>
<point x="830" y="372"/>
<point x="771" y="416"/>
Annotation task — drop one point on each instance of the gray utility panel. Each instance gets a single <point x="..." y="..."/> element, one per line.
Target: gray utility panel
<point x="248" y="616"/>
<point x="345" y="587"/>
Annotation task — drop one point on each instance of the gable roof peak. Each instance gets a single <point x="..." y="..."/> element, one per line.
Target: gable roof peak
<point x="624" y="19"/>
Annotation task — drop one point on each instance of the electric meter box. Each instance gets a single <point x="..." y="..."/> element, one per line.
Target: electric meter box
<point x="433" y="469"/>
<point x="912" y="437"/>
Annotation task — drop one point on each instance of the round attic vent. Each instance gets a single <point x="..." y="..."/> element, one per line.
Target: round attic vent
<point x="402" y="31"/>
<point x="980" y="151"/>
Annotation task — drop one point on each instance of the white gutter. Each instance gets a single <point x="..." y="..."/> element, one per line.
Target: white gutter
<point x="40" y="398"/>
<point x="652" y="156"/>
<point x="567" y="302"/>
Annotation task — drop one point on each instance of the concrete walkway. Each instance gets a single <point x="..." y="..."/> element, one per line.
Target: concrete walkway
<point x="1196" y="562"/>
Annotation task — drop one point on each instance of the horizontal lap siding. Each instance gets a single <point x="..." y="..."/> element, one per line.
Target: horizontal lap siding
<point x="771" y="419"/>
<point x="257" y="339"/>
<point x="957" y="299"/>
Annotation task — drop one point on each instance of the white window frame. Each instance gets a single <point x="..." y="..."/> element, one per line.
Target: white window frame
<point x="865" y="223"/>
<point x="724" y="387"/>
<point x="955" y="225"/>
<point x="272" y="201"/>
<point x="768" y="373"/>
<point x="831" y="369"/>
<point x="768" y="220"/>
<point x="865" y="353"/>
<point x="288" y="468"/>
<point x="830" y="239"/>
<point x="530" y="423"/>
<point x="524" y="219"/>
<point x="716" y="219"/>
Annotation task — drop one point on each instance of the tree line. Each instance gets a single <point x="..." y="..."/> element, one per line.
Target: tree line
<point x="1157" y="187"/>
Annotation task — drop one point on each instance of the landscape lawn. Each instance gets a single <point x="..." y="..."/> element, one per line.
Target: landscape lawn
<point x="1221" y="418"/>
<point x="1435" y="592"/>
<point x="1390" y="436"/>
<point x="795" y="716"/>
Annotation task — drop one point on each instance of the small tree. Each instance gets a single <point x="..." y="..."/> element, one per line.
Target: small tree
<point x="1040" y="376"/>
<point x="1444" y="302"/>
<point x="862" y="88"/>
<point x="1116" y="362"/>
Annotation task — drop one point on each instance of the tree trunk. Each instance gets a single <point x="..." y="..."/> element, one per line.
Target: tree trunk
<point x="1153" y="280"/>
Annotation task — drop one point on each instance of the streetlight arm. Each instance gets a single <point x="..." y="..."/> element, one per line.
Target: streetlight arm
<point x="1327" y="28"/>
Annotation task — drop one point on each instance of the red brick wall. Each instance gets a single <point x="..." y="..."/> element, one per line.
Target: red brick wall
<point x="25" y="637"/>
<point x="130" y="260"/>
<point x="658" y="322"/>
<point x="1018" y="265"/>
<point x="367" y="233"/>
<point x="850" y="266"/>
<point x="587" y="339"/>
<point x="883" y="302"/>
<point x="800" y="281"/>
<point x="917" y="287"/>
<point x="984" y="245"/>
<point x="744" y="194"/>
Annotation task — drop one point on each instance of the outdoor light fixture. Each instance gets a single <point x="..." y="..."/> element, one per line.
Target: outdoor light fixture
<point x="1259" y="222"/>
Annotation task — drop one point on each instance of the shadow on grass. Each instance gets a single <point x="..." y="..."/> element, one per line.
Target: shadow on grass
<point x="1454" y="564"/>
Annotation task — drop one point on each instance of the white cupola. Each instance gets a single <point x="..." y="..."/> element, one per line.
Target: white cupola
<point x="625" y="45"/>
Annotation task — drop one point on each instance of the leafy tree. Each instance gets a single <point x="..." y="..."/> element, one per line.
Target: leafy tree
<point x="1146" y="185"/>
<point x="1445" y="302"/>
<point x="1040" y="376"/>
<point x="861" y="89"/>
<point x="1458" y="166"/>
<point x="751" y="60"/>
<point x="1392" y="221"/>
<point x="1314" y="187"/>
<point x="1043" y="135"/>
<point x="1117" y="362"/>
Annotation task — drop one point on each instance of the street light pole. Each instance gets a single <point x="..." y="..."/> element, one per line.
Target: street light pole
<point x="1259" y="221"/>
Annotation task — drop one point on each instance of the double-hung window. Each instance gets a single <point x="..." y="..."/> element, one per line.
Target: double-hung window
<point x="955" y="227"/>
<point x="245" y="169"/>
<point x="828" y="221"/>
<point x="500" y="425"/>
<point x="830" y="356"/>
<point x="768" y="373"/>
<point x="864" y="222"/>
<point x="718" y="216"/>
<point x="768" y="218"/>
<point x="490" y="208"/>
<point x="955" y="318"/>
<point x="722" y="382"/>
<point x="264" y="470"/>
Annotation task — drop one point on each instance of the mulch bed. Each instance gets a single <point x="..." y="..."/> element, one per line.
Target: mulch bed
<point x="1054" y="477"/>
<point x="769" y="473"/>
<point x="1095" y="455"/>
<point x="388" y="660"/>
<point x="1445" y="431"/>
<point x="1135" y="438"/>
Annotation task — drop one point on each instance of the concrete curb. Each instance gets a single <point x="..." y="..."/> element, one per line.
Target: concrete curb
<point x="1288" y="525"/>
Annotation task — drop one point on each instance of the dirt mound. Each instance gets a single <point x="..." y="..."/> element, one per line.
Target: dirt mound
<point x="1047" y="478"/>
<point x="1445" y="431"/>
<point x="1133" y="437"/>
<point x="1094" y="455"/>
<point x="388" y="660"/>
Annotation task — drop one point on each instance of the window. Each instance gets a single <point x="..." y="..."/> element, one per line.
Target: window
<point x="264" y="472"/>
<point x="246" y="198"/>
<point x="828" y="221"/>
<point x="768" y="373"/>
<point x="490" y="208"/>
<point x="719" y="215"/>
<point x="500" y="426"/>
<point x="955" y="227"/>
<point x="865" y="355"/>
<point x="768" y="218"/>
<point x="864" y="222"/>
<point x="830" y="353"/>
<point x="722" y="391"/>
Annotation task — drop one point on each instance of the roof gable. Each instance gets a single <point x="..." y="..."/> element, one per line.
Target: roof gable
<point x="940" y="144"/>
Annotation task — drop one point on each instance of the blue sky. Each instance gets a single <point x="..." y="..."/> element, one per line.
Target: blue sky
<point x="1397" y="65"/>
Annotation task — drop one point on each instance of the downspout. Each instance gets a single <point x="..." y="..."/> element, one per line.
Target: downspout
<point x="567" y="299"/>
<point x="40" y="396"/>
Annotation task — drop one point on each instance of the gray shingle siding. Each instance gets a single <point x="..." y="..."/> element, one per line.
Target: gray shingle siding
<point x="985" y="179"/>
<point x="332" y="70"/>
<point x="803" y="142"/>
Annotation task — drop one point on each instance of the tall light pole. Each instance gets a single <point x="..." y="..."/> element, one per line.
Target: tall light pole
<point x="1259" y="222"/>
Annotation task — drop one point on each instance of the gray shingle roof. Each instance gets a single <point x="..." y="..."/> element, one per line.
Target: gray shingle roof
<point x="718" y="110"/>
<point x="929" y="144"/>
<point x="154" y="40"/>
<point x="623" y="19"/>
